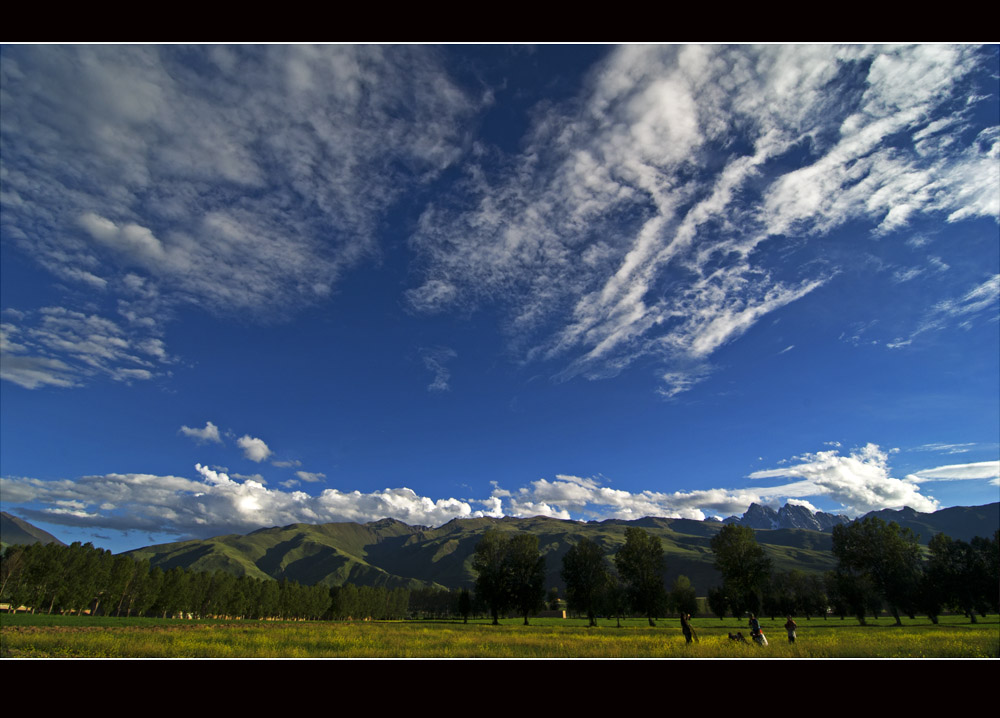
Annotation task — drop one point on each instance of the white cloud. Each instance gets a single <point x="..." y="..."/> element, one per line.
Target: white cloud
<point x="947" y="448"/>
<point x="209" y="433"/>
<point x="253" y="448"/>
<point x="860" y="481"/>
<point x="215" y="503"/>
<point x="435" y="360"/>
<point x="137" y="243"/>
<point x="33" y="372"/>
<point x="287" y="464"/>
<point x="250" y="477"/>
<point x="803" y="503"/>
<point x="310" y="476"/>
<point x="641" y="218"/>
<point x="959" y="472"/>
<point x="983" y="297"/>
<point x="62" y="347"/>
<point x="981" y="303"/>
<point x="905" y="275"/>
<point x="243" y="179"/>
<point x="223" y="502"/>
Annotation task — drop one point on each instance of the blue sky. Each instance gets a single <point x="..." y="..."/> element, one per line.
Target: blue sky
<point x="252" y="286"/>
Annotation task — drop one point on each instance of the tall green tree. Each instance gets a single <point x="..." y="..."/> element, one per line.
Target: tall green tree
<point x="510" y="573"/>
<point x="492" y="583"/>
<point x="683" y="598"/>
<point x="615" y="601"/>
<point x="988" y="550"/>
<point x="586" y="575"/>
<point x="887" y="555"/>
<point x="780" y="594"/>
<point x="526" y="573"/>
<point x="717" y="603"/>
<point x="962" y="575"/>
<point x="464" y="605"/>
<point x="812" y="600"/>
<point x="744" y="566"/>
<point x="640" y="564"/>
<point x="13" y="559"/>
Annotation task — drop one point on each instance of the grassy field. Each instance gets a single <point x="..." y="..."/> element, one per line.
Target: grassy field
<point x="72" y="636"/>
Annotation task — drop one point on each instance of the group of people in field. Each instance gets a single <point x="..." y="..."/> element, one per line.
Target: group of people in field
<point x="756" y="635"/>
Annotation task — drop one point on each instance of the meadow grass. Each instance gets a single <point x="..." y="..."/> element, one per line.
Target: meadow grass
<point x="74" y="636"/>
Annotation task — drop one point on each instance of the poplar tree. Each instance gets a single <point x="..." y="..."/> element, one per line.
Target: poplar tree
<point x="640" y="564"/>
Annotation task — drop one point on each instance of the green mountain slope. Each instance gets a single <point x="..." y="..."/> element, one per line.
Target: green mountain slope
<point x="18" y="531"/>
<point x="392" y="554"/>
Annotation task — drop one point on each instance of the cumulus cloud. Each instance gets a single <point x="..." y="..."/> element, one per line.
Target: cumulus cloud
<point x="859" y="481"/>
<point x="209" y="433"/>
<point x="574" y="496"/>
<point x="642" y="217"/>
<point x="218" y="501"/>
<point x="253" y="448"/>
<point x="213" y="503"/>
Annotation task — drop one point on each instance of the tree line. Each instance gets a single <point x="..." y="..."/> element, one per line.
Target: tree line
<point x="511" y="575"/>
<point x="51" y="578"/>
<point x="880" y="567"/>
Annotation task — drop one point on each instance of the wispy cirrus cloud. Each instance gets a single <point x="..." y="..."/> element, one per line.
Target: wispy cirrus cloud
<point x="639" y="221"/>
<point x="981" y="303"/>
<point x="948" y="448"/>
<point x="435" y="360"/>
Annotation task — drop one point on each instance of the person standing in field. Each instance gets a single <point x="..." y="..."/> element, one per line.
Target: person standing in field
<point x="790" y="626"/>
<point x="686" y="627"/>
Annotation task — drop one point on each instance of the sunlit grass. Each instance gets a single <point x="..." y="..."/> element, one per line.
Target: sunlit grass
<point x="21" y="636"/>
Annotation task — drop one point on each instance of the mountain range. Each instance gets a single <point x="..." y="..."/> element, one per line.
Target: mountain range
<point x="788" y="516"/>
<point x="393" y="554"/>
